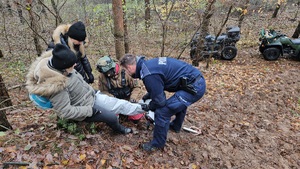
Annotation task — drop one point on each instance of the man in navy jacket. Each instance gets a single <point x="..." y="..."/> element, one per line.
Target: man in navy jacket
<point x="166" y="74"/>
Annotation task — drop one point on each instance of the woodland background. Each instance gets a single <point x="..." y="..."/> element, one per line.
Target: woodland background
<point x="249" y="117"/>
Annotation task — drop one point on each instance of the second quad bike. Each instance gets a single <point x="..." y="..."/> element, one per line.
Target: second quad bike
<point x="222" y="47"/>
<point x="274" y="44"/>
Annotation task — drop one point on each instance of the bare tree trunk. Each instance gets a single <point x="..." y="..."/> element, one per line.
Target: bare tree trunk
<point x="164" y="25"/>
<point x="297" y="31"/>
<point x="118" y="28"/>
<point x="5" y="32"/>
<point x="57" y="16"/>
<point x="1" y="54"/>
<point x="218" y="34"/>
<point x="34" y="27"/>
<point x="243" y="13"/>
<point x="126" y="37"/>
<point x="147" y="14"/>
<point x="43" y="10"/>
<point x="276" y="10"/>
<point x="203" y="31"/>
<point x="4" y="102"/>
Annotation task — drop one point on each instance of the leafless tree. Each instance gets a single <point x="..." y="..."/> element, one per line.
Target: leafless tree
<point x="276" y="10"/>
<point x="164" y="23"/>
<point x="203" y="30"/>
<point x="126" y="36"/>
<point x="243" y="12"/>
<point x="35" y="27"/>
<point x="4" y="102"/>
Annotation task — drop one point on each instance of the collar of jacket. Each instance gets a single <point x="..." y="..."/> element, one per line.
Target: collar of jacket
<point x="139" y="61"/>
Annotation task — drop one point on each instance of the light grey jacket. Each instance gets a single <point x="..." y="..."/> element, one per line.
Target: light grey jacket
<point x="72" y="98"/>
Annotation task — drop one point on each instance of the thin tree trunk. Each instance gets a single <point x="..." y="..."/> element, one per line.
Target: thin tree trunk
<point x="126" y="37"/>
<point x="209" y="10"/>
<point x="35" y="28"/>
<point x="118" y="28"/>
<point x="41" y="2"/>
<point x="297" y="31"/>
<point x="243" y="13"/>
<point x="57" y="16"/>
<point x="4" y="102"/>
<point x="276" y="10"/>
<point x="147" y="14"/>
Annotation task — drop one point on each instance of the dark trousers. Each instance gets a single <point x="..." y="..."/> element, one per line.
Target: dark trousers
<point x="107" y="117"/>
<point x="176" y="105"/>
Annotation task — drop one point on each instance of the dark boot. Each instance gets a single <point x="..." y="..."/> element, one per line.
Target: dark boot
<point x="124" y="130"/>
<point x="117" y="127"/>
<point x="148" y="147"/>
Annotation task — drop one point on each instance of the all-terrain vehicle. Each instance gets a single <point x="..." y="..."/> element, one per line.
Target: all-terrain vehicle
<point x="273" y="44"/>
<point x="224" y="47"/>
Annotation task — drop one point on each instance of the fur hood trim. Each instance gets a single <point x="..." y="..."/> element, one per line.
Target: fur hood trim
<point x="63" y="29"/>
<point x="42" y="80"/>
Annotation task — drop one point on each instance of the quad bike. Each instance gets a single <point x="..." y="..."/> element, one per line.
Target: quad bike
<point x="273" y="44"/>
<point x="224" y="47"/>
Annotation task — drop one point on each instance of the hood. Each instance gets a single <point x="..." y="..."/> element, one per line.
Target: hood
<point x="62" y="30"/>
<point x="43" y="80"/>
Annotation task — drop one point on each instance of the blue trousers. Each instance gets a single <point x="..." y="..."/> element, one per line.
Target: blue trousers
<point x="175" y="105"/>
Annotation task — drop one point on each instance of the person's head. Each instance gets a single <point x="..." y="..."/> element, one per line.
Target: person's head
<point x="77" y="33"/>
<point x="128" y="61"/>
<point x="106" y="66"/>
<point x="63" y="58"/>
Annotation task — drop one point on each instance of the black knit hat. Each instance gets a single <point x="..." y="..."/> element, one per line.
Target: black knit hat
<point x="62" y="57"/>
<point x="77" y="31"/>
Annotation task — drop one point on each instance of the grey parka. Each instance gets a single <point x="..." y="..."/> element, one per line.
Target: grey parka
<point x="70" y="96"/>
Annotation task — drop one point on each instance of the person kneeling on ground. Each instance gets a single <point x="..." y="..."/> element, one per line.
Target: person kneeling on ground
<point x="115" y="82"/>
<point x="53" y="76"/>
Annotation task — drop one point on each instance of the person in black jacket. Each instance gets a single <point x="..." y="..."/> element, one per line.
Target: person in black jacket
<point x="74" y="37"/>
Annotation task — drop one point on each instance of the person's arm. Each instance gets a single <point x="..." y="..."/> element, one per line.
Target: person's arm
<point x="136" y="86"/>
<point x="62" y="105"/>
<point x="102" y="85"/>
<point x="155" y="87"/>
<point x="87" y="68"/>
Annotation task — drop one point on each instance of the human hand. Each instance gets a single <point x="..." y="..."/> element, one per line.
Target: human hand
<point x="146" y="97"/>
<point x="95" y="111"/>
<point x="144" y="106"/>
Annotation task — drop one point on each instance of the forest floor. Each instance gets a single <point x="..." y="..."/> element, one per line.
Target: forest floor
<point x="249" y="118"/>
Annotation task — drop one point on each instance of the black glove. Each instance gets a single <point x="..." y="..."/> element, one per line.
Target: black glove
<point x="91" y="78"/>
<point x="95" y="111"/>
<point x="146" y="97"/>
<point x="145" y="107"/>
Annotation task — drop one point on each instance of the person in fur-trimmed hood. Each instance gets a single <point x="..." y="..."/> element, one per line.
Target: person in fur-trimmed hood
<point x="53" y="76"/>
<point x="74" y="36"/>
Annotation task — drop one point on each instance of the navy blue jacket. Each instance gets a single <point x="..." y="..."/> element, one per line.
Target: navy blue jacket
<point x="163" y="74"/>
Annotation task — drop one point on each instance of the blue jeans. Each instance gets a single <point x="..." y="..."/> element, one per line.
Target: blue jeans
<point x="175" y="105"/>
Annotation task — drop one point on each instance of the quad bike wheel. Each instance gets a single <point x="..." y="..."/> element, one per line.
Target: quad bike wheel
<point x="229" y="52"/>
<point x="271" y="53"/>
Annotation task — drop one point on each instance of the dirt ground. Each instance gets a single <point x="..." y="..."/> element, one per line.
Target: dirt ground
<point x="249" y="118"/>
